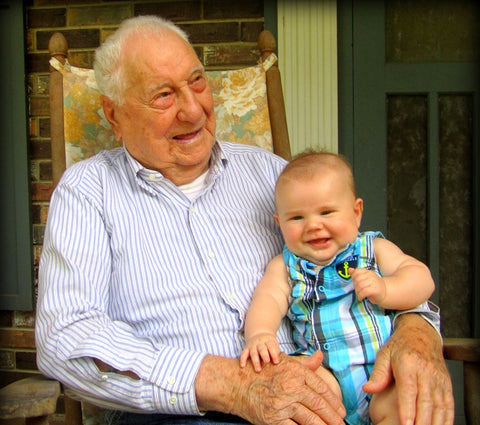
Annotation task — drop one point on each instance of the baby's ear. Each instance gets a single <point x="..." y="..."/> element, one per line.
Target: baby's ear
<point x="275" y="216"/>
<point x="358" y="209"/>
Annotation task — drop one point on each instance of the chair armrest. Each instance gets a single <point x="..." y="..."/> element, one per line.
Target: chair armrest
<point x="467" y="350"/>
<point x="33" y="397"/>
<point x="462" y="349"/>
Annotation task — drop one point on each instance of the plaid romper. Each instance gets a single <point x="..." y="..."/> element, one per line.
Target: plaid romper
<point x="327" y="316"/>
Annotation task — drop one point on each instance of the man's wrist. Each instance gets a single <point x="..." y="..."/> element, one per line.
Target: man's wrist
<point x="216" y="383"/>
<point x="428" y="311"/>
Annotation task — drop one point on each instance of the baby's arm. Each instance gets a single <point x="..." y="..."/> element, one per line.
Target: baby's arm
<point x="269" y="306"/>
<point x="406" y="281"/>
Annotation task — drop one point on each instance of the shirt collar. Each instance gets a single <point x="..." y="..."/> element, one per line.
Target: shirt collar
<point x="218" y="162"/>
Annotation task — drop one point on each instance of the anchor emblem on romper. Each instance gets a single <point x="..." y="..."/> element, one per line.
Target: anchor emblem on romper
<point x="342" y="268"/>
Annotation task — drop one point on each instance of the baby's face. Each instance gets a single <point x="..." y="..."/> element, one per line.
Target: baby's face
<point x="318" y="217"/>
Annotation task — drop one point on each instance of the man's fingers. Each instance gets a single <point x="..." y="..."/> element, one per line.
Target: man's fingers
<point x="322" y="398"/>
<point x="444" y="412"/>
<point x="305" y="416"/>
<point x="320" y="408"/>
<point x="433" y="404"/>
<point x="407" y="402"/>
<point x="313" y="362"/>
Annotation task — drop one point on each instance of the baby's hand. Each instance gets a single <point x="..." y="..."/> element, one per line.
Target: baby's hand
<point x="262" y="347"/>
<point x="368" y="284"/>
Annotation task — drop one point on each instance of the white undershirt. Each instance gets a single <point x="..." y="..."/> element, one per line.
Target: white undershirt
<point x="192" y="189"/>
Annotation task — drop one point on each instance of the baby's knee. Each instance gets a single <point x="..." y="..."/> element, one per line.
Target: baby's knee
<point x="329" y="378"/>
<point x="383" y="407"/>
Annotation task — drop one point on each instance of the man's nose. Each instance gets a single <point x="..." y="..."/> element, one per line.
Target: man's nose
<point x="190" y="107"/>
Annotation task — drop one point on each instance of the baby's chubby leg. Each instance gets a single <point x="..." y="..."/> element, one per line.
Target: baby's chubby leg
<point x="384" y="407"/>
<point x="330" y="380"/>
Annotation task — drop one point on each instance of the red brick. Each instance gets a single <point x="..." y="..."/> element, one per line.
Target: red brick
<point x="45" y="170"/>
<point x="226" y="55"/>
<point x="83" y="59"/>
<point x="76" y="39"/>
<point x="217" y="9"/>
<point x="26" y="360"/>
<point x="17" y="338"/>
<point x="44" y="127"/>
<point x="24" y="319"/>
<point x="250" y="31"/>
<point x="40" y="149"/>
<point x="39" y="106"/>
<point x="38" y="62"/>
<point x="38" y="232"/>
<point x="174" y="11"/>
<point x="41" y="192"/>
<point x="212" y="32"/>
<point x="7" y="359"/>
<point x="46" y="18"/>
<point x="6" y="318"/>
<point x="97" y="15"/>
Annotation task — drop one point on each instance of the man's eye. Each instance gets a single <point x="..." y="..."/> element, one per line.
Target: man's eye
<point x="163" y="99"/>
<point x="199" y="83"/>
<point x="162" y="95"/>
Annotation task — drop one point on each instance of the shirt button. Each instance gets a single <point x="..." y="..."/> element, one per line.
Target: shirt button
<point x="321" y="288"/>
<point x="231" y="297"/>
<point x="193" y="210"/>
<point x="326" y="346"/>
<point x="104" y="377"/>
<point x="173" y="400"/>
<point x="151" y="177"/>
<point x="211" y="254"/>
<point x="171" y="380"/>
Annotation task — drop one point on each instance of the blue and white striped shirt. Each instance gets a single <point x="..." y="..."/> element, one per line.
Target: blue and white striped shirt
<point x="135" y="274"/>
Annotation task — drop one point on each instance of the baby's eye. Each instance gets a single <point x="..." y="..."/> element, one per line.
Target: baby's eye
<point x="326" y="212"/>
<point x="296" y="218"/>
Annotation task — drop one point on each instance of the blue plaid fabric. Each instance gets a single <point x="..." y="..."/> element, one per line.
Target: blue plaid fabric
<point x="327" y="316"/>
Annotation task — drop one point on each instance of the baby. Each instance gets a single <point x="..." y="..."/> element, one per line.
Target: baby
<point x="336" y="285"/>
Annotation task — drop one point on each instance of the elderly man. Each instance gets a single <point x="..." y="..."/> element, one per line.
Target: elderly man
<point x="152" y="252"/>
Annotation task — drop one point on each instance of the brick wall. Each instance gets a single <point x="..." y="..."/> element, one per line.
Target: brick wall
<point x="224" y="33"/>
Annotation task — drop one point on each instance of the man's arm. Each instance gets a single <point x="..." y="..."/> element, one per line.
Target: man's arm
<point x="73" y="327"/>
<point x="413" y="357"/>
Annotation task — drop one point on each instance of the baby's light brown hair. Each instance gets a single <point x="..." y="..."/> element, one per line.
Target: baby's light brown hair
<point x="308" y="164"/>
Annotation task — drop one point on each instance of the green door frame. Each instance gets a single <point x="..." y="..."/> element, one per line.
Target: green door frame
<point x="16" y="268"/>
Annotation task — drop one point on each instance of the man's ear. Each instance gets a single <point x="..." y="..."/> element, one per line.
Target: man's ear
<point x="109" y="111"/>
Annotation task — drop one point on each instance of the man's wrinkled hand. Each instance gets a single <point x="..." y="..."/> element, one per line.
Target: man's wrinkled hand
<point x="413" y="358"/>
<point x="289" y="392"/>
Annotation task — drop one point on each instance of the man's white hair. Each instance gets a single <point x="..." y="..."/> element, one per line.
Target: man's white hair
<point x="108" y="63"/>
